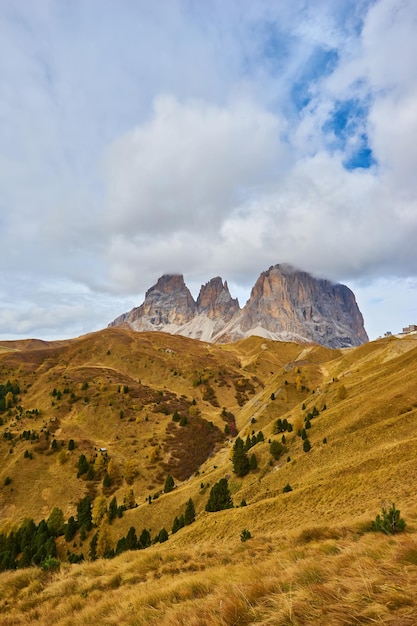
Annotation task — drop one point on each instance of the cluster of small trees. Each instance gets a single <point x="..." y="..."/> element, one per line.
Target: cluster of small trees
<point x="8" y="393"/>
<point x="31" y="544"/>
<point x="282" y="426"/>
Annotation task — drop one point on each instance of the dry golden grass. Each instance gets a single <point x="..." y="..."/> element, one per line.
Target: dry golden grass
<point x="305" y="579"/>
<point x="308" y="562"/>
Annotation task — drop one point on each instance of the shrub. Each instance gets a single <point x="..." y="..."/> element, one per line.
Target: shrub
<point x="50" y="564"/>
<point x="245" y="535"/>
<point x="287" y="488"/>
<point x="389" y="522"/>
<point x="276" y="449"/>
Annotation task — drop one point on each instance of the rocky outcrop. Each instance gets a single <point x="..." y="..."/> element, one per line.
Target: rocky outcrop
<point x="169" y="302"/>
<point x="285" y="304"/>
<point x="216" y="302"/>
<point x="294" y="305"/>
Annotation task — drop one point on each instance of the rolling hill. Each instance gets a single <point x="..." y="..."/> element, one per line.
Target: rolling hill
<point x="143" y="406"/>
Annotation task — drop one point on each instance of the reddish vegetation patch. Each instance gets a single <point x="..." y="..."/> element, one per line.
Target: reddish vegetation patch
<point x="190" y="445"/>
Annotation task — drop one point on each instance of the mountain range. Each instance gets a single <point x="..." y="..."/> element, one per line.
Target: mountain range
<point x="285" y="304"/>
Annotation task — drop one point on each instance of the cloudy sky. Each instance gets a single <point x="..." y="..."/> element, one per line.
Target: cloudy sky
<point x="210" y="138"/>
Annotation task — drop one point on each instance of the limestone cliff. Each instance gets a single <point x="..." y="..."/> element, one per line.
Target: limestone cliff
<point x="169" y="302"/>
<point x="216" y="302"/>
<point x="293" y="304"/>
<point x="285" y="304"/>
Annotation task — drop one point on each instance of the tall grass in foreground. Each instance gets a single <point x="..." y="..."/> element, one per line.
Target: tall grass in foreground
<point x="318" y="577"/>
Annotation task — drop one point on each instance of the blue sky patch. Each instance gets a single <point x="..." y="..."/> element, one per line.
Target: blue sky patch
<point x="347" y="121"/>
<point x="320" y="64"/>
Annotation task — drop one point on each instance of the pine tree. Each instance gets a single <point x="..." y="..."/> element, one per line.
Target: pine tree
<point x="169" y="484"/>
<point x="163" y="535"/>
<point x="220" y="497"/>
<point x="83" y="465"/>
<point x="189" y="515"/>
<point x="70" y="529"/>
<point x="240" y="460"/>
<point x="112" y="510"/>
<point x="306" y="445"/>
<point x="175" y="525"/>
<point x="84" y="514"/>
<point x="131" y="539"/>
<point x="389" y="522"/>
<point x="253" y="462"/>
<point x="144" y="539"/>
<point x="93" y="547"/>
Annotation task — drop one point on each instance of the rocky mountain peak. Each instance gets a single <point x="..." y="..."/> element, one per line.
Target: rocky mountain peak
<point x="285" y="304"/>
<point x="215" y="300"/>
<point x="292" y="302"/>
<point x="167" y="284"/>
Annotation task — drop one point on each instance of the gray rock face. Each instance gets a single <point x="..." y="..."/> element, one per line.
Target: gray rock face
<point x="168" y="302"/>
<point x="216" y="302"/>
<point x="285" y="304"/>
<point x="288" y="301"/>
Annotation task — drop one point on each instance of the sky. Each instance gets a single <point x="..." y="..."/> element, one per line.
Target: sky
<point x="216" y="138"/>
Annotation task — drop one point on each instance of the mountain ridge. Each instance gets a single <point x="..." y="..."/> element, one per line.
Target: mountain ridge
<point x="285" y="304"/>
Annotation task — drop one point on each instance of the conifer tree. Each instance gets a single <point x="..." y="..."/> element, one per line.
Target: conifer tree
<point x="70" y="529"/>
<point x="240" y="460"/>
<point x="175" y="525"/>
<point x="112" y="510"/>
<point x="93" y="547"/>
<point x="83" y="465"/>
<point x="162" y="536"/>
<point x="84" y="515"/>
<point x="189" y="515"/>
<point x="169" y="484"/>
<point x="144" y="539"/>
<point x="131" y="539"/>
<point x="106" y="481"/>
<point x="220" y="497"/>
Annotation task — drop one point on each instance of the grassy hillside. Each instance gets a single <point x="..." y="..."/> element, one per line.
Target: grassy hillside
<point x="157" y="404"/>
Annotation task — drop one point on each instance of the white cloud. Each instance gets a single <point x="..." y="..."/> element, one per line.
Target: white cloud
<point x="190" y="166"/>
<point x="146" y="138"/>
